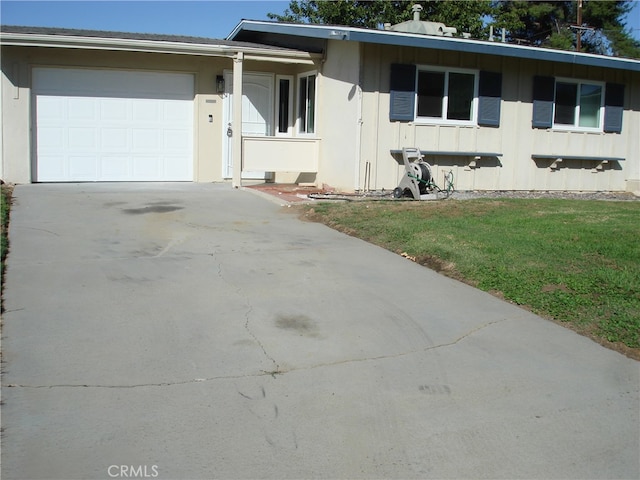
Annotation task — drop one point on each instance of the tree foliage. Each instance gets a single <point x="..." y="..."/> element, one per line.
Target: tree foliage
<point x="352" y="13"/>
<point x="550" y="24"/>
<point x="555" y="25"/>
<point x="466" y="16"/>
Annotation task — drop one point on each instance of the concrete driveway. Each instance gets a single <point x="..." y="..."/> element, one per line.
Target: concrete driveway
<point x="185" y="331"/>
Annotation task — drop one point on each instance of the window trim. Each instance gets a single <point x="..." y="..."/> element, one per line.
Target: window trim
<point x="576" y="127"/>
<point x="292" y="120"/>
<point x="443" y="120"/>
<point x="298" y="122"/>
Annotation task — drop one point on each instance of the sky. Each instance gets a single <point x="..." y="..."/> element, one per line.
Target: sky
<point x="200" y="18"/>
<point x="203" y="18"/>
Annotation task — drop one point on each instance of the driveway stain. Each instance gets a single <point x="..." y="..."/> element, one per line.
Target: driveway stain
<point x="435" y="389"/>
<point x="152" y="209"/>
<point x="300" y="324"/>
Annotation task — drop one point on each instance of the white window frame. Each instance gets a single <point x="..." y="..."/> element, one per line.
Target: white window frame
<point x="298" y="125"/>
<point x="445" y="99"/>
<point x="576" y="115"/>
<point x="292" y="119"/>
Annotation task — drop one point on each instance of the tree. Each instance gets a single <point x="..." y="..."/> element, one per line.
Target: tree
<point x="551" y="24"/>
<point x="352" y="13"/>
<point x="607" y="20"/>
<point x="555" y="25"/>
<point x="466" y="16"/>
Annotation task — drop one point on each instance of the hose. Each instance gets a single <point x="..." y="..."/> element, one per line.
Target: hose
<point x="350" y="197"/>
<point x="448" y="184"/>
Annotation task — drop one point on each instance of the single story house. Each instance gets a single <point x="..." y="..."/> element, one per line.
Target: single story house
<point x="317" y="104"/>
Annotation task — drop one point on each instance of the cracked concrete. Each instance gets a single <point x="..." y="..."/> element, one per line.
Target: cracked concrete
<point x="275" y="371"/>
<point x="227" y="339"/>
<point x="247" y="316"/>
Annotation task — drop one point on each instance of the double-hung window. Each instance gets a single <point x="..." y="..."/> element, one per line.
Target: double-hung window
<point x="447" y="96"/>
<point x="578" y="105"/>
<point x="307" y="103"/>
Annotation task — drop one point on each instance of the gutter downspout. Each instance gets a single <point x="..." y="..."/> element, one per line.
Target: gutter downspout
<point x="236" y="180"/>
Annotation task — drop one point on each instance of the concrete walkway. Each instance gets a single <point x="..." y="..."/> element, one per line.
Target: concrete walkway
<point x="186" y="331"/>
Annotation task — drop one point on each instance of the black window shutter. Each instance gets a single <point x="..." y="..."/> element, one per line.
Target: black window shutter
<point x="613" y="107"/>
<point x="403" y="93"/>
<point x="543" y="91"/>
<point x="489" y="96"/>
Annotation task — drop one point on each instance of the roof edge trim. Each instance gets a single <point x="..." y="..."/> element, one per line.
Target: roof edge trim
<point x="136" y="45"/>
<point x="442" y="43"/>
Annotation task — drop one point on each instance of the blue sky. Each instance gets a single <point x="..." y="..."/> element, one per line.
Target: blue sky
<point x="210" y="18"/>
<point x="204" y="18"/>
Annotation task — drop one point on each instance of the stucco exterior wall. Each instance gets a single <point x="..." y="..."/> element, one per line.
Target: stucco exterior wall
<point x="339" y="116"/>
<point x="515" y="138"/>
<point x="16" y="148"/>
<point x="17" y="62"/>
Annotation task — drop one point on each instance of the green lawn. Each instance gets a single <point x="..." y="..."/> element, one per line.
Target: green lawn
<point x="575" y="261"/>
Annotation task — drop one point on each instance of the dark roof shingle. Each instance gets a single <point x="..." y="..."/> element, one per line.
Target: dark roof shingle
<point x="131" y="36"/>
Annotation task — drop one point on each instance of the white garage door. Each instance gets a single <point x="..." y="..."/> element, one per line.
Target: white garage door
<point x="108" y="125"/>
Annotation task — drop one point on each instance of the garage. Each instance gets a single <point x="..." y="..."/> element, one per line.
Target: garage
<point x="112" y="125"/>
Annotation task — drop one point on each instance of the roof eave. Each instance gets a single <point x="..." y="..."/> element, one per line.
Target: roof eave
<point x="499" y="49"/>
<point x="426" y="41"/>
<point x="147" y="46"/>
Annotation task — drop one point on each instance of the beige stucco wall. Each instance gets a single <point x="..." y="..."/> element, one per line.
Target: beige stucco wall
<point x="17" y="62"/>
<point x="16" y="147"/>
<point x="338" y="116"/>
<point x="515" y="138"/>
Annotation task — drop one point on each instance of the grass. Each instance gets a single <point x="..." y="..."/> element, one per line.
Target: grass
<point x="5" y="207"/>
<point x="573" y="261"/>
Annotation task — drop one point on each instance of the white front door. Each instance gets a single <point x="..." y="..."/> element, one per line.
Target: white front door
<point x="257" y="115"/>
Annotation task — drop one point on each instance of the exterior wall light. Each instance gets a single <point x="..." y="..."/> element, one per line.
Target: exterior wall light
<point x="219" y="84"/>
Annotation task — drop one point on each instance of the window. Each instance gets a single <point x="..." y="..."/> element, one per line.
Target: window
<point x="431" y="94"/>
<point x="446" y="96"/>
<point x="578" y="105"/>
<point x="435" y="95"/>
<point x="284" y="104"/>
<point x="307" y="103"/>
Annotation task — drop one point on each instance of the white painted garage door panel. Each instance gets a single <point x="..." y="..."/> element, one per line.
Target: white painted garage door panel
<point x="113" y="126"/>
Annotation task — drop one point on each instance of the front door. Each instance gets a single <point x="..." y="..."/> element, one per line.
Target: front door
<point x="257" y="115"/>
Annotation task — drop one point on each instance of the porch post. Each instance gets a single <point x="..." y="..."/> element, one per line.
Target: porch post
<point x="236" y="180"/>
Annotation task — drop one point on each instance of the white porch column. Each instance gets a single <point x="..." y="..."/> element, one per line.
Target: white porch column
<point x="236" y="180"/>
